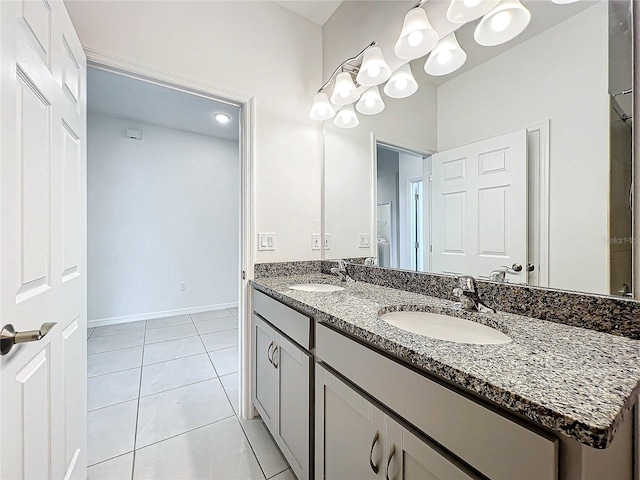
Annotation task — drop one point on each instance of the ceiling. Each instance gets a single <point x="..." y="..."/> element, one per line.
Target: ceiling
<point x="318" y="11"/>
<point x="140" y="101"/>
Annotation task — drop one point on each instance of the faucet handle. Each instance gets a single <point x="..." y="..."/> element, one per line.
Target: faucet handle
<point x="342" y="264"/>
<point x="467" y="282"/>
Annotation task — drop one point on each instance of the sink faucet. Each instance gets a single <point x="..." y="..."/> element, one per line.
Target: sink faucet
<point x="467" y="292"/>
<point x="341" y="271"/>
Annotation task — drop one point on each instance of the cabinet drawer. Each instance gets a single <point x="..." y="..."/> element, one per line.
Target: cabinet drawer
<point x="293" y="324"/>
<point x="498" y="447"/>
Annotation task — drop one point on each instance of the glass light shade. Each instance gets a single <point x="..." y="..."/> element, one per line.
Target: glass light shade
<point x="370" y="102"/>
<point x="417" y="37"/>
<point x="374" y="70"/>
<point x="346" y="117"/>
<point x="463" y="11"/>
<point x="447" y="57"/>
<point x="321" y="108"/>
<point x="564" y="2"/>
<point x="503" y="23"/>
<point x="344" y="91"/>
<point x="401" y="84"/>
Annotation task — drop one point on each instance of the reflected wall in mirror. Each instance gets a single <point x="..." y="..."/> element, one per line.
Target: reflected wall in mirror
<point x="521" y="159"/>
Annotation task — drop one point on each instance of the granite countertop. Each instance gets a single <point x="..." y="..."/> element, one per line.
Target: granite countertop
<point x="574" y="381"/>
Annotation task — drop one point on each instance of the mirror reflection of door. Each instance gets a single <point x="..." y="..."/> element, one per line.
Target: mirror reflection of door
<point x="399" y="180"/>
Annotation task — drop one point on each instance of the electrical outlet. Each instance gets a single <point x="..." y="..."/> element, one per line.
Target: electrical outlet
<point x="363" y="240"/>
<point x="183" y="286"/>
<point x="315" y="241"/>
<point x="327" y="241"/>
<point x="267" y="241"/>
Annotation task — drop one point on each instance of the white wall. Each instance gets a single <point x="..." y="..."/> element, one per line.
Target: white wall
<point x="256" y="48"/>
<point x="161" y="211"/>
<point x="561" y="76"/>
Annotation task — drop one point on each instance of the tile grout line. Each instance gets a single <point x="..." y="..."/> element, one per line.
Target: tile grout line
<point x="135" y="433"/>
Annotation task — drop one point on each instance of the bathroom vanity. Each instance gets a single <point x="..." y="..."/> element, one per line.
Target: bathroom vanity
<point x="348" y="395"/>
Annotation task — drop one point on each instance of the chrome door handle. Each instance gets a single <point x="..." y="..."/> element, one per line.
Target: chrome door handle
<point x="373" y="466"/>
<point x="391" y="454"/>
<point x="276" y="349"/>
<point x="9" y="337"/>
<point x="269" y="353"/>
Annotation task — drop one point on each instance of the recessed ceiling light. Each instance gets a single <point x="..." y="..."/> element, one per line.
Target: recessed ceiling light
<point x="222" y="117"/>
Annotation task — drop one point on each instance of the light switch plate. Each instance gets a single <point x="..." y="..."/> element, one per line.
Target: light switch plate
<point x="315" y="241"/>
<point x="363" y="240"/>
<point x="327" y="241"/>
<point x="266" y="241"/>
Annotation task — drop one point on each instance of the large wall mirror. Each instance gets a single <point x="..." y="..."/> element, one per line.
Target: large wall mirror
<point x="521" y="158"/>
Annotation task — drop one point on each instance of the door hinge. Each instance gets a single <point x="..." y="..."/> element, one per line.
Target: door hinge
<point x="417" y="245"/>
<point x="430" y="177"/>
<point x="244" y="275"/>
<point x="430" y="248"/>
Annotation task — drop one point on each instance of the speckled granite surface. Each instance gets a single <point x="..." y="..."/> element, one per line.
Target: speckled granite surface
<point x="574" y="381"/>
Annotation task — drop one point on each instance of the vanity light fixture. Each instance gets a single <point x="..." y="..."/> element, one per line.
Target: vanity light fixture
<point x="321" y="108"/>
<point x="222" y="117"/>
<point x="401" y="84"/>
<point x="503" y="23"/>
<point x="344" y="91"/>
<point x="447" y="57"/>
<point x="417" y="37"/>
<point x="374" y="69"/>
<point x="463" y="11"/>
<point x="370" y="102"/>
<point x="346" y="117"/>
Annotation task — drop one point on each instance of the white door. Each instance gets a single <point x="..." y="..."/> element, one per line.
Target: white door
<point x="479" y="207"/>
<point x="42" y="241"/>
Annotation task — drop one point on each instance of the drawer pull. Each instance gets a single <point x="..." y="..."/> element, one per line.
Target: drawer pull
<point x="276" y="349"/>
<point x="392" y="452"/>
<point x="373" y="466"/>
<point x="269" y="353"/>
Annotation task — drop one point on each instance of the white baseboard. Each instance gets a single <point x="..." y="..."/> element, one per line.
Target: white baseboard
<point x="101" y="322"/>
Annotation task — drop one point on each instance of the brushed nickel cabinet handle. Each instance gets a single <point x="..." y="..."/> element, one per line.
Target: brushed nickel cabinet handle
<point x="391" y="454"/>
<point x="276" y="349"/>
<point x="269" y="353"/>
<point x="373" y="466"/>
<point x="9" y="337"/>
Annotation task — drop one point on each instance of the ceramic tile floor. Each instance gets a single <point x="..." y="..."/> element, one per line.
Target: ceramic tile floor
<point x="162" y="403"/>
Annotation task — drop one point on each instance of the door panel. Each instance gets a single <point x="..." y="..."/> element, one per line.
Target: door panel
<point x="43" y="243"/>
<point x="263" y="370"/>
<point x="479" y="207"/>
<point x="348" y="425"/>
<point x="293" y="400"/>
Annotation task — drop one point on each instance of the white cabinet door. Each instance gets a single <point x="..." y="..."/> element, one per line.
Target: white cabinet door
<point x="263" y="370"/>
<point x="42" y="241"/>
<point x="291" y="428"/>
<point x="349" y="432"/>
<point x="409" y="458"/>
<point x="479" y="207"/>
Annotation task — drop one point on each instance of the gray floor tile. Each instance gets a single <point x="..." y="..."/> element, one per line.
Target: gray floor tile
<point x="218" y="451"/>
<point x="233" y="311"/>
<point x="163" y="334"/>
<point x="176" y="373"/>
<point x="230" y="384"/>
<point x="286" y="475"/>
<point x="113" y="388"/>
<point x="216" y="325"/>
<point x="269" y="456"/>
<point x="168" y="321"/>
<point x="198" y="317"/>
<point x="111" y="431"/>
<point x="177" y="411"/>
<point x="119" y="468"/>
<point x="172" y="349"/>
<point x="220" y="340"/>
<point x="225" y="361"/>
<point x="114" y="342"/>
<point x="119" y="328"/>
<point x="89" y="332"/>
<point x="114" y="361"/>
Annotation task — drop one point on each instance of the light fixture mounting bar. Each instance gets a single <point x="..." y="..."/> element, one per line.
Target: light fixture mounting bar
<point x="419" y="4"/>
<point x="353" y="68"/>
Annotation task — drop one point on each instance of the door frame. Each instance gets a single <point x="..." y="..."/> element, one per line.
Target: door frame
<point x="247" y="104"/>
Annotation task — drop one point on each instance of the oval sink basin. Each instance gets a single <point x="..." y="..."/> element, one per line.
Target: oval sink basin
<point x="316" y="287"/>
<point x="444" y="327"/>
